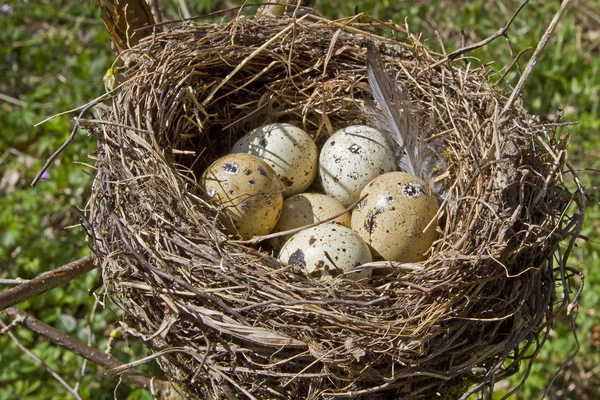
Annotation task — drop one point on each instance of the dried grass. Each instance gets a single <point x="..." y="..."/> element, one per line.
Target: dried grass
<point x="232" y="321"/>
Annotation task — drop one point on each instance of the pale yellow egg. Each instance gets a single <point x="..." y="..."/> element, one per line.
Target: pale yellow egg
<point x="306" y="209"/>
<point x="394" y="216"/>
<point x="248" y="192"/>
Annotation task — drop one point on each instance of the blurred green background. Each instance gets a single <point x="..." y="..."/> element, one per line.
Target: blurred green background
<point x="53" y="55"/>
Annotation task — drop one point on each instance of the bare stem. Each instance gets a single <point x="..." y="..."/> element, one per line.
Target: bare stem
<point x="6" y="330"/>
<point x="466" y="49"/>
<point x="258" y="239"/>
<point x="46" y="281"/>
<point x="87" y="352"/>
<point x="536" y="56"/>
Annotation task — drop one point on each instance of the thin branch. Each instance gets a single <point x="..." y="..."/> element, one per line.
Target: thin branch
<point x="466" y="49"/>
<point x="512" y="53"/>
<point x="29" y="354"/>
<point x="514" y="62"/>
<point x="258" y="239"/>
<point x="536" y="56"/>
<point x="90" y="336"/>
<point x="156" y="12"/>
<point x="67" y="142"/>
<point x="500" y="32"/>
<point x="89" y="353"/>
<point x="12" y="100"/>
<point x="184" y="9"/>
<point x="123" y="368"/>
<point x="46" y="281"/>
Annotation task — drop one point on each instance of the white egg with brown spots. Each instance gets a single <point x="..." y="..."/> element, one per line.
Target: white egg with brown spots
<point x="326" y="251"/>
<point x="351" y="158"/>
<point x="248" y="192"/>
<point x="306" y="209"/>
<point x="289" y="150"/>
<point x="394" y="216"/>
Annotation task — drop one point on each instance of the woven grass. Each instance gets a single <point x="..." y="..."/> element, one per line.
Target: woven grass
<point x="228" y="320"/>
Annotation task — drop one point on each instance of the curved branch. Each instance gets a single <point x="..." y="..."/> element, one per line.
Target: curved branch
<point x="156" y="386"/>
<point x="46" y="281"/>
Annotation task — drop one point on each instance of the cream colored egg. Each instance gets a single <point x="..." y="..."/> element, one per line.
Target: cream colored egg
<point x="249" y="192"/>
<point x="351" y="158"/>
<point x="393" y="217"/>
<point x="289" y="150"/>
<point x="306" y="209"/>
<point x="326" y="251"/>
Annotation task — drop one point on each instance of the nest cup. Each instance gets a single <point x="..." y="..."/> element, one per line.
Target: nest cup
<point x="231" y="322"/>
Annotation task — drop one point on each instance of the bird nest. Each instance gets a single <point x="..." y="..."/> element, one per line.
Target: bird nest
<point x="224" y="317"/>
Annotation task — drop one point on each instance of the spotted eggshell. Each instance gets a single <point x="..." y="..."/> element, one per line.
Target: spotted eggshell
<point x="306" y="209"/>
<point x="287" y="149"/>
<point x="326" y="251"/>
<point x="394" y="215"/>
<point x="351" y="158"/>
<point x="249" y="192"/>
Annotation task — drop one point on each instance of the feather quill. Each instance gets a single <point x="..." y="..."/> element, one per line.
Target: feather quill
<point x="397" y="118"/>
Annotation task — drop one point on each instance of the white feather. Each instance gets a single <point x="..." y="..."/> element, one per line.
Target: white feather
<point x="398" y="119"/>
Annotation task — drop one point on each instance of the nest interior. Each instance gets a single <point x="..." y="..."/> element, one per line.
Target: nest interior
<point x="230" y="321"/>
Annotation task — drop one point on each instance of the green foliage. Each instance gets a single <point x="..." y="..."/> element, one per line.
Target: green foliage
<point x="53" y="56"/>
<point x="52" y="59"/>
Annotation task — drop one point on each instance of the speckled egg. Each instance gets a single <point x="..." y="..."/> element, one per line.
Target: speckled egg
<point x="394" y="215"/>
<point x="249" y="192"/>
<point x="326" y="251"/>
<point x="305" y="209"/>
<point x="289" y="150"/>
<point x="351" y="158"/>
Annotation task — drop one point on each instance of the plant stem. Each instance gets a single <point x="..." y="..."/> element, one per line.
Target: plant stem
<point x="158" y="387"/>
<point x="46" y="281"/>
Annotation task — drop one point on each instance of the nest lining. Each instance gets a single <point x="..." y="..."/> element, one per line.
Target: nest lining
<point x="239" y="324"/>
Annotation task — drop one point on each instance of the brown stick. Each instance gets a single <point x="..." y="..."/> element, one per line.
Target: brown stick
<point x="98" y="357"/>
<point x="156" y="11"/>
<point x="466" y="49"/>
<point x="6" y="331"/>
<point x="258" y="239"/>
<point x="123" y="20"/>
<point x="280" y="7"/>
<point x="536" y="56"/>
<point x="46" y="281"/>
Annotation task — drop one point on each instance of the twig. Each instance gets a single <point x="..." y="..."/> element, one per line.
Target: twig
<point x="185" y="11"/>
<point x="571" y="304"/>
<point x="89" y="353"/>
<point x="12" y="100"/>
<point x="122" y="368"/>
<point x="536" y="55"/>
<point x="156" y="13"/>
<point x="39" y="361"/>
<point x="55" y="155"/>
<point x="512" y="53"/>
<point x="500" y="32"/>
<point x="258" y="239"/>
<point x="512" y="64"/>
<point x="89" y="341"/>
<point x="46" y="281"/>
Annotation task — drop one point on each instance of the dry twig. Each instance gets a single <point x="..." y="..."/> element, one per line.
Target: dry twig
<point x="536" y="55"/>
<point x="46" y="281"/>
<point x="88" y="353"/>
